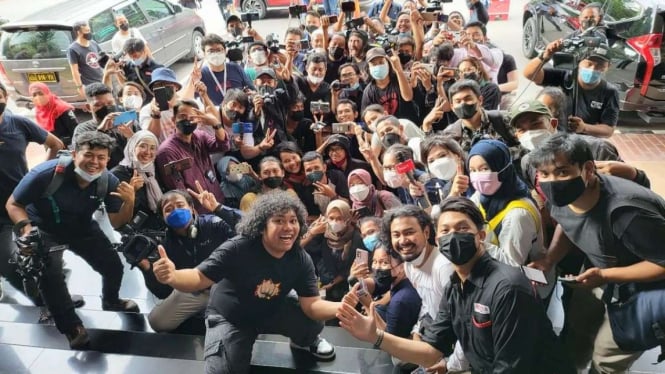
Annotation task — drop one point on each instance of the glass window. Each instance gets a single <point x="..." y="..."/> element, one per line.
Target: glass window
<point x="619" y="10"/>
<point x="29" y="44"/>
<point x="103" y="26"/>
<point x="133" y="14"/>
<point x="155" y="9"/>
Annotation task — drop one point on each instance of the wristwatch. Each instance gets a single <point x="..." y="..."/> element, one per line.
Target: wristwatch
<point x="217" y="126"/>
<point x="541" y="57"/>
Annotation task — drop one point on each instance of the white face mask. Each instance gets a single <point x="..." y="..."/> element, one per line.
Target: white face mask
<point x="259" y="57"/>
<point x="86" y="176"/>
<point x="393" y="179"/>
<point x="132" y="102"/>
<point x="443" y="168"/>
<point x="336" y="226"/>
<point x="216" y="59"/>
<point x="532" y="139"/>
<point x="234" y="177"/>
<point x="359" y="192"/>
<point x="314" y="80"/>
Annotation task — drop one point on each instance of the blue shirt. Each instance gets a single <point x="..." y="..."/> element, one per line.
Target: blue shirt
<point x="75" y="205"/>
<point x="15" y="134"/>
<point x="401" y="313"/>
<point x="375" y="10"/>
<point x="233" y="76"/>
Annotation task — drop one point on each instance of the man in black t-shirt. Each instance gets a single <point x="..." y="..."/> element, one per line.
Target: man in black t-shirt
<point x="257" y="273"/>
<point x="596" y="110"/>
<point x="323" y="185"/>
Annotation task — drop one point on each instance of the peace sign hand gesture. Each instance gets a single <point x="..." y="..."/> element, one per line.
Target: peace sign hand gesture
<point x="204" y="197"/>
<point x="269" y="141"/>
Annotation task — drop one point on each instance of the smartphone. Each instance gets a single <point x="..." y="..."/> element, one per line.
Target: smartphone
<point x="568" y="279"/>
<point x="341" y="128"/>
<point x="239" y="168"/>
<point x="362" y="256"/>
<point x="348" y="6"/>
<point x="362" y="291"/>
<point x="177" y="166"/>
<point x="333" y="19"/>
<point x="442" y="18"/>
<point x="124" y="117"/>
<point x="297" y="10"/>
<point x="248" y="39"/>
<point x="363" y="212"/>
<point x="162" y="97"/>
<point x="429" y="16"/>
<point x="428" y="67"/>
<point x="405" y="167"/>
<point x="535" y="275"/>
<point x="319" y="107"/>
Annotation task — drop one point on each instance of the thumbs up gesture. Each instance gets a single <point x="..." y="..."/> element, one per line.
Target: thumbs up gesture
<point x="460" y="182"/>
<point x="164" y="268"/>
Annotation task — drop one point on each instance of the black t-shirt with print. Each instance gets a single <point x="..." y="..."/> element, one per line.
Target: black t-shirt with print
<point x="391" y="100"/>
<point x="252" y="284"/>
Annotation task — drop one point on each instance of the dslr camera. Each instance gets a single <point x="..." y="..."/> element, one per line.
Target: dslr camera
<point x="337" y="85"/>
<point x="268" y="94"/>
<point x="139" y="244"/>
<point x="104" y="57"/>
<point x="272" y="41"/>
<point x="387" y="42"/>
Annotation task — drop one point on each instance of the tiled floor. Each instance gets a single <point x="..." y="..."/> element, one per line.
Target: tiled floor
<point x="646" y="152"/>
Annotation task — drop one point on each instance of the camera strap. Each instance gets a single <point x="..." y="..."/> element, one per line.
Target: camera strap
<point x="221" y="89"/>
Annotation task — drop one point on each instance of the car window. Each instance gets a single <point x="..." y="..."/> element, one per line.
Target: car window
<point x="156" y="9"/>
<point x="619" y="10"/>
<point x="27" y="45"/>
<point x="103" y="26"/>
<point x="133" y="14"/>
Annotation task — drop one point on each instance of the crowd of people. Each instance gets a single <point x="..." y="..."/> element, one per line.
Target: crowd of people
<point x="379" y="161"/>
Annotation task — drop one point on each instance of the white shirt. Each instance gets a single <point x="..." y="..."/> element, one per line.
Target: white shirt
<point x="118" y="41"/>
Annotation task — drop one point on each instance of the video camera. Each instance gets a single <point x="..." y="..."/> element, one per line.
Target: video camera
<point x="104" y="57"/>
<point x="234" y="48"/>
<point x="139" y="244"/>
<point x="337" y="85"/>
<point x="268" y="94"/>
<point x="297" y="10"/>
<point x="249" y="17"/>
<point x="272" y="41"/>
<point x="576" y="47"/>
<point x="355" y="23"/>
<point x="387" y="42"/>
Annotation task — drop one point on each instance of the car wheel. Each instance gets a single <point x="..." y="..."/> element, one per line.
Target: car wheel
<point x="197" y="47"/>
<point x="258" y="6"/>
<point x="530" y="38"/>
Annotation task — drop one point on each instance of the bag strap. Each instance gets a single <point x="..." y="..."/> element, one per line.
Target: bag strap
<point x="64" y="160"/>
<point x="496" y="220"/>
<point x="138" y="75"/>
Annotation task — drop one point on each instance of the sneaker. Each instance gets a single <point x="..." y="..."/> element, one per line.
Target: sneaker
<point x="120" y="305"/>
<point x="320" y="349"/>
<point x="78" y="338"/>
<point x="78" y="301"/>
<point x="45" y="317"/>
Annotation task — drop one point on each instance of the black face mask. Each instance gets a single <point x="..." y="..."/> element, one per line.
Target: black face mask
<point x="311" y="28"/>
<point x="466" y="111"/>
<point x="124" y="26"/>
<point x="232" y="115"/>
<point x="236" y="31"/>
<point x="562" y="193"/>
<point x="273" y="182"/>
<point x="298" y="115"/>
<point x="404" y="58"/>
<point x="383" y="280"/>
<point x="2" y="108"/>
<point x="458" y="247"/>
<point x="186" y="126"/>
<point x="588" y="23"/>
<point x="336" y="53"/>
<point x="390" y="139"/>
<point x="472" y="76"/>
<point x="101" y="113"/>
<point x="87" y="36"/>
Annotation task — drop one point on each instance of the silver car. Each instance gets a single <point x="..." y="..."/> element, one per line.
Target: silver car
<point x="34" y="49"/>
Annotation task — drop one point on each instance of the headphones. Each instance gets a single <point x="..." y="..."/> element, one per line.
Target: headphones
<point x="193" y="231"/>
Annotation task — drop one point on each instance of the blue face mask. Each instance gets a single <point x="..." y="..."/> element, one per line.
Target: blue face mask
<point x="379" y="71"/>
<point x="590" y="76"/>
<point x="355" y="86"/>
<point x="179" y="218"/>
<point x="405" y="34"/>
<point x="371" y="242"/>
<point x="139" y="61"/>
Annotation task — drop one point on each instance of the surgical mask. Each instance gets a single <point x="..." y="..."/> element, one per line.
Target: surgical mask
<point x="273" y="182"/>
<point x="379" y="72"/>
<point x="298" y="115"/>
<point x="336" y="52"/>
<point x="179" y="218"/>
<point x="231" y="114"/>
<point x="404" y="58"/>
<point x="236" y="31"/>
<point x="216" y="59"/>
<point x="443" y="168"/>
<point x="87" y="36"/>
<point x="390" y="139"/>
<point x="315" y="176"/>
<point x="371" y="242"/>
<point x="132" y="102"/>
<point x="314" y="80"/>
<point x="588" y="23"/>
<point x="85" y="175"/>
<point x="336" y="226"/>
<point x="590" y="76"/>
<point x="466" y="111"/>
<point x="234" y="177"/>
<point x="393" y="179"/>
<point x="259" y="57"/>
<point x="458" y="247"/>
<point x="534" y="138"/>
<point x="485" y="182"/>
<point x="186" y="126"/>
<point x="562" y="193"/>
<point x="405" y="34"/>
<point x="472" y="76"/>
<point x="359" y="192"/>
<point x="101" y="113"/>
<point x="124" y="26"/>
<point x="138" y="61"/>
<point x="311" y="28"/>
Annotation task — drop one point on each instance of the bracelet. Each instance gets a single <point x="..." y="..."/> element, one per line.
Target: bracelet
<point x="217" y="127"/>
<point x="541" y="57"/>
<point x="379" y="339"/>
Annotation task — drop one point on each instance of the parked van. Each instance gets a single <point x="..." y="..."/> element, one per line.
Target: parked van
<point x="34" y="49"/>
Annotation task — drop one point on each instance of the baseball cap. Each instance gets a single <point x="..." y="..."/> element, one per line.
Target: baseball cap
<point x="533" y="106"/>
<point x="601" y="52"/>
<point x="266" y="71"/>
<point x="373" y="53"/>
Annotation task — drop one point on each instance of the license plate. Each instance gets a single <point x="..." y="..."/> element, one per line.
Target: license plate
<point x="50" y="77"/>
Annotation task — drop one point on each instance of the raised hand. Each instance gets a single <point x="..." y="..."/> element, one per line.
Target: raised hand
<point x="361" y="327"/>
<point x="268" y="141"/>
<point x="195" y="75"/>
<point x="164" y="268"/>
<point x="319" y="226"/>
<point x="434" y="115"/>
<point x="206" y="198"/>
<point x="136" y="181"/>
<point x="125" y="192"/>
<point x="324" y="189"/>
<point x="461" y="181"/>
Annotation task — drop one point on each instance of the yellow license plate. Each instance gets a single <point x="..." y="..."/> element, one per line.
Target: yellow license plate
<point x="42" y="77"/>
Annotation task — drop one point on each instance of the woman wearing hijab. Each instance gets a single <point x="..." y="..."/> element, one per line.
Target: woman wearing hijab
<point x="140" y="153"/>
<point x="503" y="198"/>
<point x="332" y="241"/>
<point x="364" y="195"/>
<point x="235" y="182"/>
<point x="52" y="113"/>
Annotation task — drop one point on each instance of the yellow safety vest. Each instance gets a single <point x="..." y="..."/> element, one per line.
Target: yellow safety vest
<point x="494" y="222"/>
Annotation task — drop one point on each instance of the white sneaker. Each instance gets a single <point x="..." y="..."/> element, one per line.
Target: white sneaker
<point x="320" y="349"/>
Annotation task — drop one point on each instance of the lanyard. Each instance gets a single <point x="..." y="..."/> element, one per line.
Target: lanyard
<point x="222" y="90"/>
